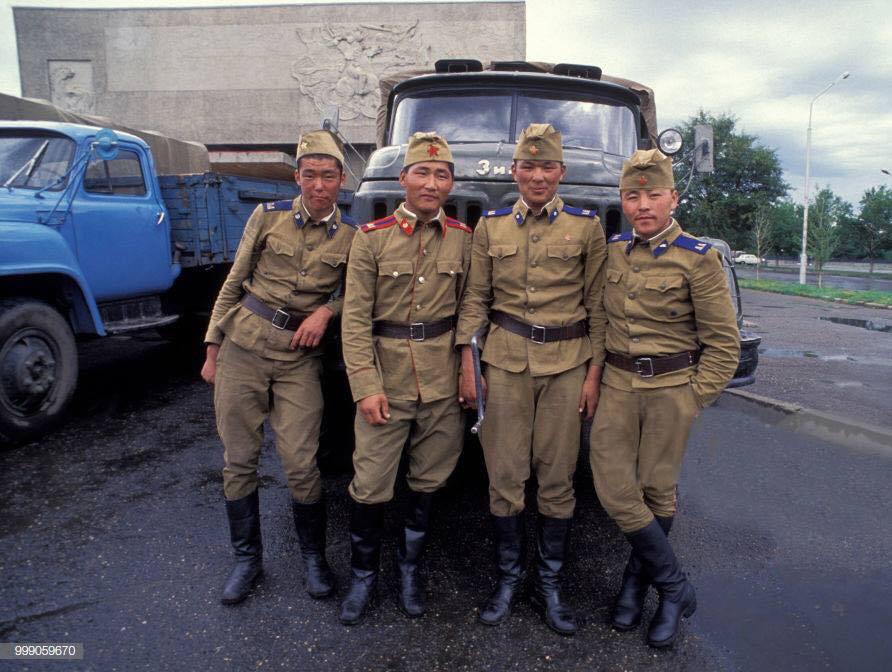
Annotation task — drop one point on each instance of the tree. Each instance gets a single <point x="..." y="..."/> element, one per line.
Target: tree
<point x="747" y="177"/>
<point x="875" y="222"/>
<point x="786" y="229"/>
<point x="826" y="218"/>
<point x="763" y="229"/>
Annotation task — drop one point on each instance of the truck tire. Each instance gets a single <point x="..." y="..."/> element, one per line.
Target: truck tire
<point x="38" y="368"/>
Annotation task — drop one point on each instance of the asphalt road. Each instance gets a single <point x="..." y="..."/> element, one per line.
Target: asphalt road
<point x="823" y="355"/>
<point x="114" y="535"/>
<point x="881" y="283"/>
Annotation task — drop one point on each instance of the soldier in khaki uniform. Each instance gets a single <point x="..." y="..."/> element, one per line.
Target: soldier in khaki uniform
<point x="672" y="346"/>
<point x="535" y="276"/>
<point x="262" y="357"/>
<point x="404" y="283"/>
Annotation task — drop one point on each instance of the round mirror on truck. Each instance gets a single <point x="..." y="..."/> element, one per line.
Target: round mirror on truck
<point x="106" y="144"/>
<point x="670" y="141"/>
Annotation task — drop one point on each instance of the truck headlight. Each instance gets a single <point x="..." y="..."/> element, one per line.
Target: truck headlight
<point x="670" y="141"/>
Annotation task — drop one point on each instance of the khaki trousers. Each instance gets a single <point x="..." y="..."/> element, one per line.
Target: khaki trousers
<point x="250" y="388"/>
<point x="435" y="434"/>
<point x="532" y="420"/>
<point x="637" y="443"/>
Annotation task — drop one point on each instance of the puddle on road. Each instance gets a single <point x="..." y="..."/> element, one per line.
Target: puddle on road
<point x="855" y="322"/>
<point x="789" y="353"/>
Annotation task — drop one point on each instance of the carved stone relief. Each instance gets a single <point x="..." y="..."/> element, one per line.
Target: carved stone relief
<point x="71" y="85"/>
<point x="342" y="63"/>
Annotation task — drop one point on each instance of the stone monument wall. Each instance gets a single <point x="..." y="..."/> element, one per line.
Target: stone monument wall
<point x="249" y="76"/>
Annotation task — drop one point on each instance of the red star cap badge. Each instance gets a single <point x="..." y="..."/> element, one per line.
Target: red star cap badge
<point x="642" y="180"/>
<point x="433" y="150"/>
<point x="534" y="150"/>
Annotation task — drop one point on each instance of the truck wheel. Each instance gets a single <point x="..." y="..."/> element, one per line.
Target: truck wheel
<point x="38" y="368"/>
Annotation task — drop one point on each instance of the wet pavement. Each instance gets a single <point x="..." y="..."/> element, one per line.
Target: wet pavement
<point x="880" y="282"/>
<point x="832" y="357"/>
<point x="114" y="535"/>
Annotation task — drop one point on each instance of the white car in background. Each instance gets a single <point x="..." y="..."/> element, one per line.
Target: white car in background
<point x="747" y="259"/>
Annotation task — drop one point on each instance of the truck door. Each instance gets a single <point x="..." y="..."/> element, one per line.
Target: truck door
<point x="123" y="242"/>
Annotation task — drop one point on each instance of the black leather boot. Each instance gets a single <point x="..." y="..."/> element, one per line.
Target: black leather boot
<point x="409" y="550"/>
<point x="309" y="522"/>
<point x="366" y="523"/>
<point x="510" y="536"/>
<point x="630" y="601"/>
<point x="677" y="596"/>
<point x="244" y="531"/>
<point x="551" y="552"/>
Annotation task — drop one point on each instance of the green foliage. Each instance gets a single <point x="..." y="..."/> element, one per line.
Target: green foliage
<point x="827" y="217"/>
<point x="826" y="293"/>
<point x="747" y="178"/>
<point x="873" y="227"/>
<point x="786" y="228"/>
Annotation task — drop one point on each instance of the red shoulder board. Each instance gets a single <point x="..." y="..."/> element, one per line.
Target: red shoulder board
<point x="455" y="224"/>
<point x="382" y="223"/>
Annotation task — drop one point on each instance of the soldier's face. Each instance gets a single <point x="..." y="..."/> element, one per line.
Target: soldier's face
<point x="427" y="186"/>
<point x="538" y="180"/>
<point x="649" y="210"/>
<point x="319" y="179"/>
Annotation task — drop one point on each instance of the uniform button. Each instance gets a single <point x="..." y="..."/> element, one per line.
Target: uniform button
<point x="310" y="248"/>
<point x="421" y="279"/>
<point x="334" y="226"/>
<point x="534" y="264"/>
<point x="535" y="239"/>
<point x="451" y="272"/>
<point x="532" y="290"/>
<point x="418" y="306"/>
<point x="636" y="269"/>
<point x="303" y="271"/>
<point x="631" y="320"/>
<point x="396" y="274"/>
<point x="531" y="311"/>
<point x="424" y="251"/>
<point x="662" y="285"/>
<point x="631" y="295"/>
<point x="635" y="339"/>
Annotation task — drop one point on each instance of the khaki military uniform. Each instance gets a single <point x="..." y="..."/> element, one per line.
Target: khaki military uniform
<point x="405" y="271"/>
<point x="542" y="268"/>
<point x="287" y="261"/>
<point x="661" y="297"/>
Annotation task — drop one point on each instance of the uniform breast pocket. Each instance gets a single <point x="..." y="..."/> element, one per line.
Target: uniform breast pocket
<point x="565" y="262"/>
<point x="667" y="297"/>
<point x="613" y="290"/>
<point x="278" y="258"/>
<point x="329" y="270"/>
<point x="505" y="262"/>
<point x="396" y="271"/>
<point x="450" y="268"/>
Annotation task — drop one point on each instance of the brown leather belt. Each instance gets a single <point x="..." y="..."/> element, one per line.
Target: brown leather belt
<point x="537" y="333"/>
<point x="648" y="367"/>
<point x="416" y="331"/>
<point x="280" y="319"/>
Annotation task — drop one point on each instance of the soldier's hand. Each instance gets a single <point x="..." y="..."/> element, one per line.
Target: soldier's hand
<point x="588" y="398"/>
<point x="467" y="390"/>
<point x="310" y="332"/>
<point x="209" y="370"/>
<point x="374" y="409"/>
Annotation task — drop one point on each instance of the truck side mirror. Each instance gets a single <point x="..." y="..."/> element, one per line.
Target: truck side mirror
<point x="704" y="149"/>
<point x="331" y="119"/>
<point x="106" y="145"/>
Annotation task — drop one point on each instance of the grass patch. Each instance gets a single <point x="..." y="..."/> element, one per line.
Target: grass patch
<point x="826" y="293"/>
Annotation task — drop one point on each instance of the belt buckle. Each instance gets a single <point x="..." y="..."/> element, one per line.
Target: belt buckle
<point x="533" y="338"/>
<point x="280" y="319"/>
<point x="650" y="367"/>
<point x="412" y="332"/>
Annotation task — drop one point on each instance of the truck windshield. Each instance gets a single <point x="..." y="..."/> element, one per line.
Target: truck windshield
<point x="584" y="122"/>
<point x="34" y="160"/>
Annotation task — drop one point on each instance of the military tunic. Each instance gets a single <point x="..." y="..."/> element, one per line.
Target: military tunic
<point x="542" y="268"/>
<point x="405" y="271"/>
<point x="661" y="297"/>
<point x="287" y="261"/>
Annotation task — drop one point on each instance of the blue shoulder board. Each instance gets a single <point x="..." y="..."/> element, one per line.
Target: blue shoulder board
<point x="692" y="244"/>
<point x="349" y="221"/>
<point x="278" y="205"/>
<point x="617" y="237"/>
<point x="582" y="212"/>
<point x="498" y="213"/>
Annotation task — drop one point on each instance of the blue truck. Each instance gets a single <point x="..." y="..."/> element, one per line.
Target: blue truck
<point x="94" y="242"/>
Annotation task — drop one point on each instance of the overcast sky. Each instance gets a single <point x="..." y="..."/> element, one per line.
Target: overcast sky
<point x="760" y="60"/>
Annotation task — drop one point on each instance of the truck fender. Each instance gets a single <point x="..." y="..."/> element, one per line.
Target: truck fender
<point x="36" y="261"/>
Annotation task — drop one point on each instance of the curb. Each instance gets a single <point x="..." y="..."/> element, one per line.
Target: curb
<point x="818" y="424"/>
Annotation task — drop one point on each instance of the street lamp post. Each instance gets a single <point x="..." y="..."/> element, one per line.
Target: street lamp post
<point x="803" y="260"/>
